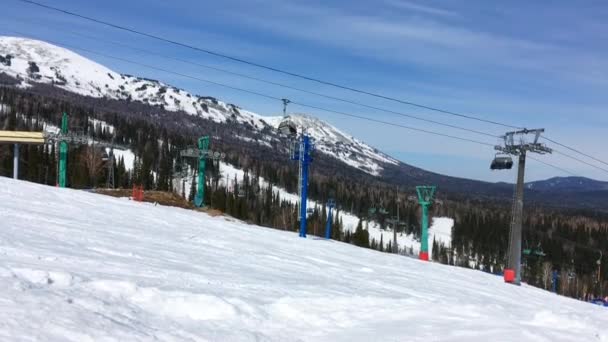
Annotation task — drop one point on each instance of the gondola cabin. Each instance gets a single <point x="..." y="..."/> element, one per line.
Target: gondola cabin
<point x="501" y="162"/>
<point x="288" y="128"/>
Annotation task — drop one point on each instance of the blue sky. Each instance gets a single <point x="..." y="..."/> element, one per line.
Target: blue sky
<point x="531" y="64"/>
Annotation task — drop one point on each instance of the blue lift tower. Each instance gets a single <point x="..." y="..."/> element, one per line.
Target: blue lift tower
<point x="331" y="203"/>
<point x="301" y="149"/>
<point x="302" y="152"/>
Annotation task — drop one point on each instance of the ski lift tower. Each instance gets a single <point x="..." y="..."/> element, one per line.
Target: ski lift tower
<point x="516" y="144"/>
<point x="425" y="198"/>
<point x="331" y="203"/>
<point x="201" y="152"/>
<point x="63" y="152"/>
<point x="66" y="137"/>
<point x="301" y="148"/>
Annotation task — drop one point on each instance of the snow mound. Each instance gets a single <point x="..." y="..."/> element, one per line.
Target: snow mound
<point x="76" y="266"/>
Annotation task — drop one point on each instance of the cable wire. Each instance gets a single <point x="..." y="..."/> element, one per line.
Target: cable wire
<point x="286" y="86"/>
<point x="574" y="150"/>
<point x="580" y="160"/>
<point x="321" y="108"/>
<point x="269" y="96"/>
<point x="262" y="66"/>
<point x="553" y="166"/>
<point x="293" y="74"/>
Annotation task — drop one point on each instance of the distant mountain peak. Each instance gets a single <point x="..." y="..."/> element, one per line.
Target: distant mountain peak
<point x="332" y="141"/>
<point x="568" y="184"/>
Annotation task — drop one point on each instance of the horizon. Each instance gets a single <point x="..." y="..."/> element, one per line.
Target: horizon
<point x="375" y="72"/>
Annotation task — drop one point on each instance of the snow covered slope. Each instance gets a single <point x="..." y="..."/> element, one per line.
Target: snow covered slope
<point x="440" y="229"/>
<point x="76" y="266"/>
<point x="32" y="61"/>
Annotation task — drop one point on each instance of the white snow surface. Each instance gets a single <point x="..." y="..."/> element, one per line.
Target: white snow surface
<point x="127" y="156"/>
<point x="102" y="124"/>
<point x="77" y="266"/>
<point x="72" y="72"/>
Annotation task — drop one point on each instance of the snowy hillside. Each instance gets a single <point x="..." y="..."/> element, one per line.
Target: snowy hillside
<point x="32" y="61"/>
<point x="440" y="229"/>
<point x="76" y="266"/>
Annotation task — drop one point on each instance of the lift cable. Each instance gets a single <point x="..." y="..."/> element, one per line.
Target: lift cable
<point x="258" y="79"/>
<point x="574" y="150"/>
<point x="580" y="160"/>
<point x="360" y="117"/>
<point x="262" y="66"/>
<point x="553" y="166"/>
<point x="301" y="104"/>
<point x="274" y="69"/>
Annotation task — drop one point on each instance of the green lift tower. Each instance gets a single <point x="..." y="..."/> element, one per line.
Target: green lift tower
<point x="425" y="198"/>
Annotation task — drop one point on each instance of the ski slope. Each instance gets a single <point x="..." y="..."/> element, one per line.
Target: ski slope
<point x="76" y="266"/>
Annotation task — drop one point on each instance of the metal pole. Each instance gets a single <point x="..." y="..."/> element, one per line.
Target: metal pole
<point x="554" y="287"/>
<point x="304" y="159"/>
<point x="285" y="103"/>
<point x="395" y="247"/>
<point x="203" y="146"/>
<point x="599" y="273"/>
<point x="328" y="226"/>
<point x="63" y="153"/>
<point x="16" y="162"/>
<point x="200" y="190"/>
<point x="424" y="238"/>
<point x="514" y="261"/>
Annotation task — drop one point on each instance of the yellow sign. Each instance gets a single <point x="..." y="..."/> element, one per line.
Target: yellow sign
<point x="21" y="137"/>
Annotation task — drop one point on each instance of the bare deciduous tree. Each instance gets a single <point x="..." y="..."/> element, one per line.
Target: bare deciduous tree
<point x="93" y="162"/>
<point x="547" y="268"/>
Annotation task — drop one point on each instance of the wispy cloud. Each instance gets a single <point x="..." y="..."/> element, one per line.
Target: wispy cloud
<point x="416" y="7"/>
<point x="428" y="41"/>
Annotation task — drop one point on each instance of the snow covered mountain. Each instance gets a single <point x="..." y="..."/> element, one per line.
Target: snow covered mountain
<point x="568" y="184"/>
<point x="86" y="267"/>
<point x="32" y="61"/>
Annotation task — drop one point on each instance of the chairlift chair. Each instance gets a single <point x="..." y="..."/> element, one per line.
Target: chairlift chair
<point x="105" y="156"/>
<point x="180" y="169"/>
<point x="240" y="190"/>
<point x="288" y="128"/>
<point x="538" y="251"/>
<point x="501" y="161"/>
